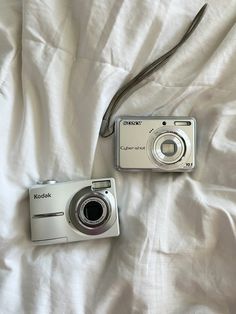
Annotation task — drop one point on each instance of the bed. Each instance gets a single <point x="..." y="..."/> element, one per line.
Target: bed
<point x="61" y="63"/>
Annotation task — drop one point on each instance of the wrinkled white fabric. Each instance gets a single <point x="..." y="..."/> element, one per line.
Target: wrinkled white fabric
<point x="60" y="64"/>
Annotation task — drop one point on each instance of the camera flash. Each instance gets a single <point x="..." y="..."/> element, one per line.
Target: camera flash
<point x="182" y="123"/>
<point x="97" y="185"/>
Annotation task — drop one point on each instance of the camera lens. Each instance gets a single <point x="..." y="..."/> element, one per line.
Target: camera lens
<point x="93" y="210"/>
<point x="168" y="148"/>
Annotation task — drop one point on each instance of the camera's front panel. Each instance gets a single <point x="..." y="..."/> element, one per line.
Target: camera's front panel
<point x="92" y="204"/>
<point x="155" y="143"/>
<point x="47" y="210"/>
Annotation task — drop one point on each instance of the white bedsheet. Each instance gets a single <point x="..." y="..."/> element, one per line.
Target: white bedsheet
<point x="60" y="64"/>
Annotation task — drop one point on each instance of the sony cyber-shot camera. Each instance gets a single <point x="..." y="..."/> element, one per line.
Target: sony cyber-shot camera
<point x="155" y="143"/>
<point x="73" y="211"/>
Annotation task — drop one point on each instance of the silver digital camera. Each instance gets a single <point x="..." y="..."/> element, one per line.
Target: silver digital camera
<point x="155" y="143"/>
<point x="73" y="211"/>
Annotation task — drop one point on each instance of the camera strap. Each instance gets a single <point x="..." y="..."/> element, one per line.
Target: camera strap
<point x="107" y="129"/>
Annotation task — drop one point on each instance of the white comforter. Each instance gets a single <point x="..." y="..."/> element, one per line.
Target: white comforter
<point x="60" y="64"/>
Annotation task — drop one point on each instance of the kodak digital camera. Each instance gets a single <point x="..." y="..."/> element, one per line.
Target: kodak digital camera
<point x="155" y="143"/>
<point x="73" y="211"/>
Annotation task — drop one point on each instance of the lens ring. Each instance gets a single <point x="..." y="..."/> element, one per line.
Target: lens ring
<point x="79" y="198"/>
<point x="179" y="164"/>
<point x="92" y="222"/>
<point x="168" y="137"/>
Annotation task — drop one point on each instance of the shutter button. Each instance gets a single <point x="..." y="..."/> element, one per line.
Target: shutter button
<point x="51" y="181"/>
